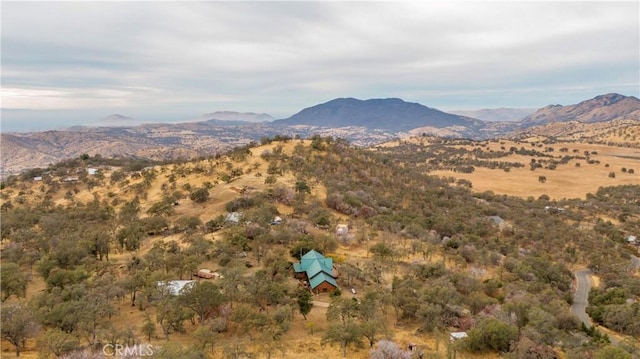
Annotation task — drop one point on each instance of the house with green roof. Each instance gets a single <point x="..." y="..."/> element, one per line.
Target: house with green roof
<point x="318" y="271"/>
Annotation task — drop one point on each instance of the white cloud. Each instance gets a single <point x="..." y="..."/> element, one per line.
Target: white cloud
<point x="281" y="55"/>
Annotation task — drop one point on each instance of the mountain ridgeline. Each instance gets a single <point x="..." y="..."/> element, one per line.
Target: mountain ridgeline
<point x="602" y="108"/>
<point x="362" y="122"/>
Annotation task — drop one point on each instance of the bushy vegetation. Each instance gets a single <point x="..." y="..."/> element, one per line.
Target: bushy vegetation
<point x="436" y="258"/>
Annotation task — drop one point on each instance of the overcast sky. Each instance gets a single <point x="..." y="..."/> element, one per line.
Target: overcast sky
<point x="67" y="63"/>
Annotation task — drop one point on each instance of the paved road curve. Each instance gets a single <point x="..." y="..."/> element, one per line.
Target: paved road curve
<point x="581" y="298"/>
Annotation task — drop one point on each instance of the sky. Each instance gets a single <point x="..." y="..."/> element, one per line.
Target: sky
<point x="69" y="63"/>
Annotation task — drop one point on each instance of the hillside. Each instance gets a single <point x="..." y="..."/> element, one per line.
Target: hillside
<point x="424" y="255"/>
<point x="602" y="108"/>
<point x="153" y="141"/>
<point x="624" y="133"/>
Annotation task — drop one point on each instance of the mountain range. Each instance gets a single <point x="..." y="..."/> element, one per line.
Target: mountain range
<point x="363" y="122"/>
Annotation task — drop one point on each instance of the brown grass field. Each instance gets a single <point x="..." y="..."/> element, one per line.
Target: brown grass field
<point x="567" y="181"/>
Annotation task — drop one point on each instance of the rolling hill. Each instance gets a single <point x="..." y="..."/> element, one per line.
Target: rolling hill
<point x="423" y="256"/>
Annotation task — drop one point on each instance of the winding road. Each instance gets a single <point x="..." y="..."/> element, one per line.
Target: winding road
<point x="581" y="297"/>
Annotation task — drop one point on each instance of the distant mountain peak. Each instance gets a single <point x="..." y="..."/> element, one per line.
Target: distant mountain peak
<point x="610" y="99"/>
<point x="235" y="116"/>
<point x="116" y="117"/>
<point x="112" y="120"/>
<point x="391" y="114"/>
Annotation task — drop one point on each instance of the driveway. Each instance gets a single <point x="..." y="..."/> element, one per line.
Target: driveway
<point x="317" y="303"/>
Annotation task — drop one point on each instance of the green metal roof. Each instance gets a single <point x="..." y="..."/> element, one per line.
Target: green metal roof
<point x="317" y="267"/>
<point x="311" y="260"/>
<point x="312" y="254"/>
<point x="322" y="277"/>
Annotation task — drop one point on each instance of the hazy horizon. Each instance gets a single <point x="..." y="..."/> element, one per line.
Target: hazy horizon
<point x="79" y="118"/>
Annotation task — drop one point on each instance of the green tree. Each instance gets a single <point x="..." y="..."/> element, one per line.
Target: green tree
<point x="13" y="281"/>
<point x="203" y="298"/>
<point x="56" y="342"/>
<point x="17" y="325"/>
<point x="372" y="321"/>
<point x="343" y="334"/>
<point x="130" y="236"/>
<point x="148" y="328"/>
<point x="206" y="336"/>
<point x="171" y="316"/>
<point x="383" y="251"/>
<point x="491" y="334"/>
<point x="305" y="302"/>
<point x="200" y="195"/>
<point x="343" y="328"/>
<point x="97" y="308"/>
<point x="302" y="187"/>
<point x="187" y="223"/>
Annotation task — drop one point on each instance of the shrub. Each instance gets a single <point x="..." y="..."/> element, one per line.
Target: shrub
<point x="491" y="334"/>
<point x="200" y="195"/>
<point x="239" y="203"/>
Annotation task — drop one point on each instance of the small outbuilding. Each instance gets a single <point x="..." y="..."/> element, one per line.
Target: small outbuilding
<point x="457" y="335"/>
<point x="342" y="230"/>
<point x="205" y="273"/>
<point x="499" y="222"/>
<point x="233" y="217"/>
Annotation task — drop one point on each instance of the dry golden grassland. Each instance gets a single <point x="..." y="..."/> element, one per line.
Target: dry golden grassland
<point x="566" y="181"/>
